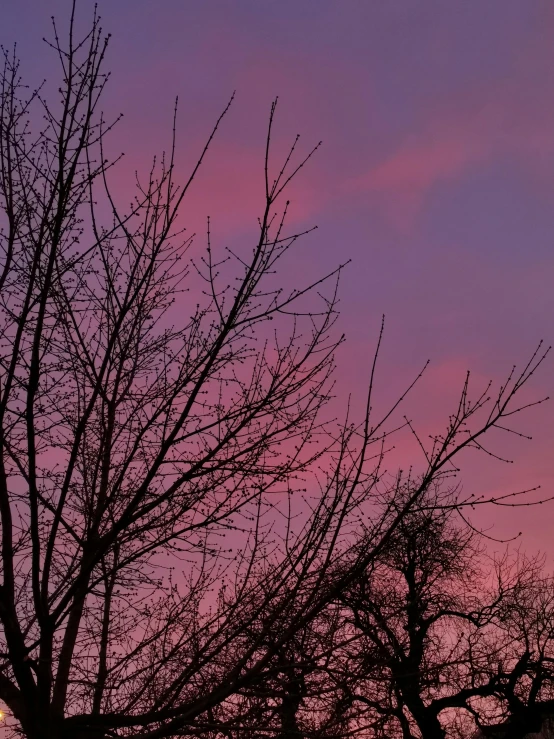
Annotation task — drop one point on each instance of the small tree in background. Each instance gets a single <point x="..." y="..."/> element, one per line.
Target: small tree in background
<point x="443" y="637"/>
<point x="521" y="653"/>
<point x="420" y="615"/>
<point x="142" y="435"/>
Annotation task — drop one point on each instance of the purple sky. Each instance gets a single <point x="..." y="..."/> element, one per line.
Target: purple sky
<point x="436" y="176"/>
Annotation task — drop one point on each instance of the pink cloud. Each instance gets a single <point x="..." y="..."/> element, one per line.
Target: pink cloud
<point x="466" y="130"/>
<point x="447" y="146"/>
<point x="416" y="168"/>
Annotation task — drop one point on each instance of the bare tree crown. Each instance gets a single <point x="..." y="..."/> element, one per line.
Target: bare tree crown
<point x="139" y="429"/>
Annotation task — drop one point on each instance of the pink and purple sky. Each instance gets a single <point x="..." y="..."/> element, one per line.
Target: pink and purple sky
<point x="436" y="175"/>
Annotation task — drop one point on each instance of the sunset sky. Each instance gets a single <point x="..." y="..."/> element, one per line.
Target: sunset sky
<point x="435" y="177"/>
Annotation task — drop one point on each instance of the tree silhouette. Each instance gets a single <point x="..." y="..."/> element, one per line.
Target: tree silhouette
<point x="144" y="434"/>
<point x="522" y="642"/>
<point x="445" y="637"/>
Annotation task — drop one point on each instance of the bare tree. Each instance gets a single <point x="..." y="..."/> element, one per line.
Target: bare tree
<point x="443" y="637"/>
<point x="144" y="435"/>
<point x="522" y="650"/>
<point x="425" y="616"/>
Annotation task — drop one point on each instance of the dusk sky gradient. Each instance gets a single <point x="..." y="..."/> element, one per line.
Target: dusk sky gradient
<point x="436" y="176"/>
